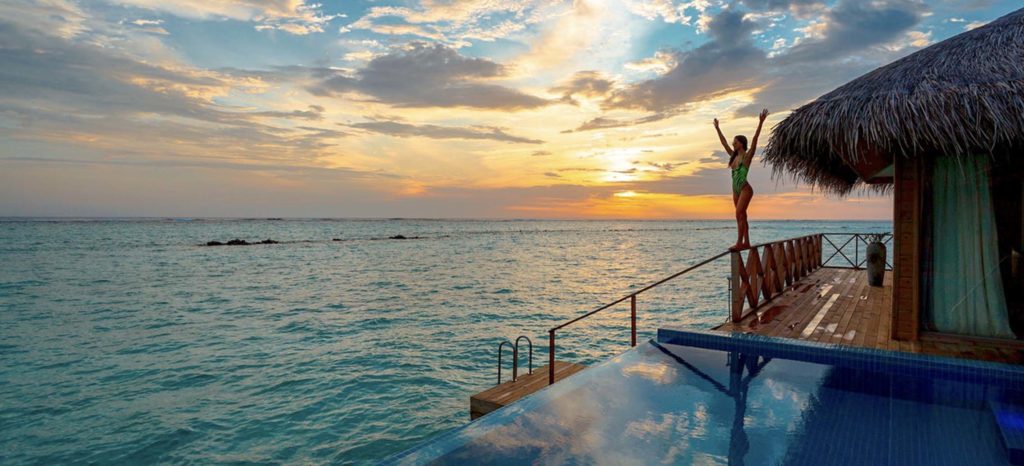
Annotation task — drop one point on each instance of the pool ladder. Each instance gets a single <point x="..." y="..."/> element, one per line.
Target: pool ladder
<point x="515" y="356"/>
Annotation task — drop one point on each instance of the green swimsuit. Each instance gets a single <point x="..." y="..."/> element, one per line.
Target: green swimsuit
<point x="739" y="177"/>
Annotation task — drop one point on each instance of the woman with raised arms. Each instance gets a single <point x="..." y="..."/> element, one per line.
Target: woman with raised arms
<point x="740" y="157"/>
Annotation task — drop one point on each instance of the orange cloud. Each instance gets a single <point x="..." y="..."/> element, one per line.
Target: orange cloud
<point x="648" y="205"/>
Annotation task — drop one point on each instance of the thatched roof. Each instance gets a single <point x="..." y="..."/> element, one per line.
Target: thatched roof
<point x="963" y="96"/>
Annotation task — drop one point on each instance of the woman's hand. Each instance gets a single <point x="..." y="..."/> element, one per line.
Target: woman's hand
<point x="764" y="114"/>
<point x="716" y="123"/>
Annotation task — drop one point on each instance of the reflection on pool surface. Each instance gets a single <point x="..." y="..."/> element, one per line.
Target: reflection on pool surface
<point x="674" y="404"/>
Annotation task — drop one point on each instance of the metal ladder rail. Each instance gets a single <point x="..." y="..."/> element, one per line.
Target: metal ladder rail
<point x="530" y="360"/>
<point x="515" y="356"/>
<point x="515" y="359"/>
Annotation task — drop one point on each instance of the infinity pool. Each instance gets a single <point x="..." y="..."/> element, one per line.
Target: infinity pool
<point x="699" y="398"/>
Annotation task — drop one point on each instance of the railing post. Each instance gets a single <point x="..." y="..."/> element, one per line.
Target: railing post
<point x="515" y="362"/>
<point x="632" y="320"/>
<point x="551" y="357"/>
<point x="820" y="249"/>
<point x="856" y="252"/>
<point x="737" y="286"/>
<point x="728" y="296"/>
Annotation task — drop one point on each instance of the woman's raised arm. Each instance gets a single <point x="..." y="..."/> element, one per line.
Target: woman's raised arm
<point x="757" y="134"/>
<point x="721" y="137"/>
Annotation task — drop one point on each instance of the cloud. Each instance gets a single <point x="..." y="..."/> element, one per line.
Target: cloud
<point x="667" y="10"/>
<point x="586" y="84"/>
<point x="83" y="79"/>
<point x="450" y="21"/>
<point x="187" y="187"/>
<point x="798" y="74"/>
<point x="312" y="113"/>
<point x="425" y="75"/>
<point x="540" y="153"/>
<point x="662" y="62"/>
<point x="590" y="34"/>
<point x="769" y="5"/>
<point x="292" y="16"/>
<point x="399" y="129"/>
<point x="726" y="63"/>
<point x="89" y="97"/>
<point x="608" y="123"/>
<point x="663" y="166"/>
<point x="853" y="25"/>
<point x="974" y="25"/>
<point x="730" y="61"/>
<point x="61" y="18"/>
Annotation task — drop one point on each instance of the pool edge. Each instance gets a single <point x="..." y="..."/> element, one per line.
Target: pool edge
<point x="855" y="356"/>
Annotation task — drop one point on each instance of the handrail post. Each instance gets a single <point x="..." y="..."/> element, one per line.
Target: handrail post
<point x="524" y="337"/>
<point x="737" y="296"/>
<point x="551" y="357"/>
<point x="515" y="362"/>
<point x="500" y="347"/>
<point x="632" y="320"/>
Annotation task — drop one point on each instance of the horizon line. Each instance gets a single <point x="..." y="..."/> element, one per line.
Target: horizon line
<point x="397" y="218"/>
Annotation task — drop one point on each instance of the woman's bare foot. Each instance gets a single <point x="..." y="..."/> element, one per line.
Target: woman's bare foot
<point x="740" y="246"/>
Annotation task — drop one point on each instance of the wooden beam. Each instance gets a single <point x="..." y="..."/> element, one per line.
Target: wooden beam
<point x="907" y="199"/>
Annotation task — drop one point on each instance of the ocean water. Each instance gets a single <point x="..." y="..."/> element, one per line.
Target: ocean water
<point x="128" y="341"/>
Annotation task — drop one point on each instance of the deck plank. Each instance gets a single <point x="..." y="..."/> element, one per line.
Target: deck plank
<point x="801" y="317"/>
<point x="850" y="320"/>
<point x="827" y="328"/>
<point x="511" y="391"/>
<point x="856" y="308"/>
<point x="791" y="309"/>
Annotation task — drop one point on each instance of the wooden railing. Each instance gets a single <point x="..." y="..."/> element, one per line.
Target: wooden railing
<point x="769" y="268"/>
<point x="841" y="249"/>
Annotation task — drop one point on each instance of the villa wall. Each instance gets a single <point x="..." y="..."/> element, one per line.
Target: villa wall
<point x="906" y="299"/>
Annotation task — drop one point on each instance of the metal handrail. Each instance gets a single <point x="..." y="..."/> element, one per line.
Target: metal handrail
<point x="515" y="359"/>
<point x="530" y="360"/>
<point x="632" y="301"/>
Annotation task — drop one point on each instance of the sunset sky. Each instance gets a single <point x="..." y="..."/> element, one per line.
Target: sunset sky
<point x="426" y="108"/>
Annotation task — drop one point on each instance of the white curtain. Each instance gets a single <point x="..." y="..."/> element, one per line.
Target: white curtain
<point x="967" y="291"/>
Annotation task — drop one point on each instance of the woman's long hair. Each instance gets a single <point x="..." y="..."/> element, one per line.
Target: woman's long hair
<point x="743" y="140"/>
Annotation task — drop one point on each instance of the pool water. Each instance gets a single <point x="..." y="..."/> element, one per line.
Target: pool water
<point x="800" y="404"/>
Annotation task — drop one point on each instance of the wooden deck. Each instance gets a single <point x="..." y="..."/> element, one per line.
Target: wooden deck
<point x="836" y="305"/>
<point x="508" y="392"/>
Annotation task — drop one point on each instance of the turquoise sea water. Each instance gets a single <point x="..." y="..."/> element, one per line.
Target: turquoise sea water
<point x="126" y="341"/>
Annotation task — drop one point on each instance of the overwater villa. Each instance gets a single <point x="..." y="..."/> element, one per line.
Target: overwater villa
<point x="825" y="358"/>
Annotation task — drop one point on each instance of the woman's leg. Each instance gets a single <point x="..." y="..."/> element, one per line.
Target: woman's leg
<point x="742" y="203"/>
<point x="739" y="230"/>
